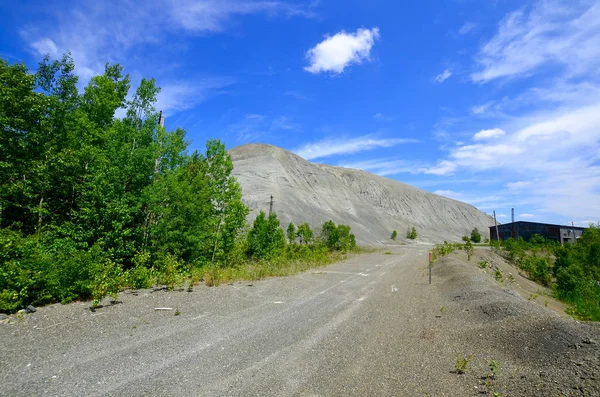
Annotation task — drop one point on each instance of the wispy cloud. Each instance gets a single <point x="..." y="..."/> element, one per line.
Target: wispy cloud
<point x="467" y="27"/>
<point x="179" y="96"/>
<point x="526" y="216"/>
<point x="337" y="146"/>
<point x="552" y="32"/>
<point x="254" y="127"/>
<point x="214" y="15"/>
<point x="337" y="52"/>
<point x="445" y="75"/>
<point x="100" y="32"/>
<point x="384" y="167"/>
<point x="298" y="95"/>
<point x="443" y="167"/>
<point x="488" y="134"/>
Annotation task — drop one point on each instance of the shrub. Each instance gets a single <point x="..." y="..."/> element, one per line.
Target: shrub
<point x="394" y="235"/>
<point x="475" y="236"/>
<point x="465" y="238"/>
<point x="291" y="232"/>
<point x="411" y="233"/>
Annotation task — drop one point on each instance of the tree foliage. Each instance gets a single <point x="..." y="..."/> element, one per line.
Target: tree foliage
<point x="475" y="236"/>
<point x="84" y="193"/>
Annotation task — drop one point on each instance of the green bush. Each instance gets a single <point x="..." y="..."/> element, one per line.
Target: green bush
<point x="475" y="236"/>
<point x="411" y="233"/>
<point x="394" y="235"/>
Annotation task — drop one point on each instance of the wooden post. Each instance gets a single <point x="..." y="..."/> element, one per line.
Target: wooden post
<point x="430" y="264"/>
<point x="496" y="226"/>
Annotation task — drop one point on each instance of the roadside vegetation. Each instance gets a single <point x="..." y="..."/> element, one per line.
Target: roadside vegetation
<point x="91" y="203"/>
<point x="572" y="271"/>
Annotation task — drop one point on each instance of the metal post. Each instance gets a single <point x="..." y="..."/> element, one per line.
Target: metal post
<point x="430" y="264"/>
<point x="271" y="206"/>
<point x="573" y="231"/>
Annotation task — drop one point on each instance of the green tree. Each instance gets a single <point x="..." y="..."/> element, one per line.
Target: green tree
<point x="475" y="236"/>
<point x="330" y="235"/>
<point x="305" y="233"/>
<point x="266" y="238"/>
<point x="291" y="232"/>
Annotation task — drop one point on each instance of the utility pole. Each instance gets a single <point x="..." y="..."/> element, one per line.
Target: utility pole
<point x="271" y="206"/>
<point x="573" y="231"/>
<point x="496" y="226"/>
<point x="514" y="235"/>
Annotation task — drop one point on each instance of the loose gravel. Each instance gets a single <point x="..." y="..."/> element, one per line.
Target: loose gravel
<point x="371" y="325"/>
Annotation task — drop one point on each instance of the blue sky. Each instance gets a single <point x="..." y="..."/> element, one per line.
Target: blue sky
<point x="495" y="103"/>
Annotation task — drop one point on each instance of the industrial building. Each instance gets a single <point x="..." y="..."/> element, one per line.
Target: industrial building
<point x="527" y="229"/>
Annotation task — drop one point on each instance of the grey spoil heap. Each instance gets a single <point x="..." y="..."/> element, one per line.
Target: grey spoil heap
<point x="372" y="205"/>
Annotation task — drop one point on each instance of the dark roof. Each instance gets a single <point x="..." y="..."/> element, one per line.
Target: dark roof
<point x="538" y="223"/>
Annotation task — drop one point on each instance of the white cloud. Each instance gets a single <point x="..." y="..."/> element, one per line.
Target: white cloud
<point x="481" y="109"/>
<point x="384" y="167"/>
<point x="45" y="46"/>
<point x="443" y="167"/>
<point x="527" y="216"/>
<point x="183" y="95"/>
<point x="331" y="147"/>
<point x="337" y="52"/>
<point x="488" y="134"/>
<point x="100" y="32"/>
<point x="467" y="27"/>
<point x="553" y="32"/>
<point x="214" y="15"/>
<point x="518" y="185"/>
<point x="450" y="194"/>
<point x="445" y="75"/>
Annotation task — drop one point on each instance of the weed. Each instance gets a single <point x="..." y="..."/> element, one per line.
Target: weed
<point x="498" y="275"/>
<point x="462" y="364"/>
<point x="493" y="366"/>
<point x="483" y="264"/>
<point x="442" y="309"/>
<point x="177" y="312"/>
<point x="546" y="303"/>
<point x="510" y="277"/>
<point x="532" y="297"/>
<point x="388" y="253"/>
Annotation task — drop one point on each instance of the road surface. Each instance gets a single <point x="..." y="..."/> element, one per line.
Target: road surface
<point x="370" y="326"/>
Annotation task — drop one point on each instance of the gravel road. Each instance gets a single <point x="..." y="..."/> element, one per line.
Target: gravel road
<point x="370" y="326"/>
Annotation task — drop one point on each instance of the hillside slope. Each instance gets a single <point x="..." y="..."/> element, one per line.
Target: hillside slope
<point x="372" y="205"/>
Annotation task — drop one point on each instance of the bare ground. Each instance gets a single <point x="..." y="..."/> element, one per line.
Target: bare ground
<point x="368" y="326"/>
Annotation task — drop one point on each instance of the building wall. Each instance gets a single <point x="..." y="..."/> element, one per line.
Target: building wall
<point x="527" y="229"/>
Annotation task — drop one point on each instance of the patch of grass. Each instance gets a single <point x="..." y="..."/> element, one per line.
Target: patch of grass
<point x="483" y="264"/>
<point x="388" y="253"/>
<point x="462" y="364"/>
<point x="498" y="275"/>
<point x="532" y="297"/>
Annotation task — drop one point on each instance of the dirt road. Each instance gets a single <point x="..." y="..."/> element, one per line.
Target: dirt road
<point x="370" y="326"/>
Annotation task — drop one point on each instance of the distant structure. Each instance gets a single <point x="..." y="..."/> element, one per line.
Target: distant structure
<point x="524" y="229"/>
